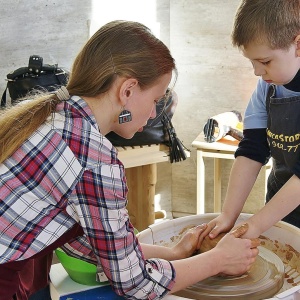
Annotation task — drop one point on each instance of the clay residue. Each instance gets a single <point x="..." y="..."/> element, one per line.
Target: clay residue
<point x="289" y="256"/>
<point x="174" y="239"/>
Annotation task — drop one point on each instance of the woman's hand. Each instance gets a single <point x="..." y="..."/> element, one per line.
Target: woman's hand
<point x="189" y="242"/>
<point x="231" y="256"/>
<point x="186" y="246"/>
<point x="237" y="254"/>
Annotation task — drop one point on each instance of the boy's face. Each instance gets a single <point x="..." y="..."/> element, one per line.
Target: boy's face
<point x="275" y="66"/>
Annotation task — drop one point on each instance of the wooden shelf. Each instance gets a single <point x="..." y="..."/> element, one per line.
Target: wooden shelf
<point x="143" y="155"/>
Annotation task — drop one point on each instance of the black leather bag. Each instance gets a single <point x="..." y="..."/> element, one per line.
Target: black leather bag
<point x="50" y="77"/>
<point x="157" y="131"/>
<point x="36" y="76"/>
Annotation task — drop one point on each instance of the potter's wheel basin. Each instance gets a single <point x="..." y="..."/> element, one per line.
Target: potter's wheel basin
<point x="263" y="280"/>
<point x="281" y="239"/>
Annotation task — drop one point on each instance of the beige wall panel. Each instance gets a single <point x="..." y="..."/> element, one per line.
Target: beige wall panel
<point x="213" y="78"/>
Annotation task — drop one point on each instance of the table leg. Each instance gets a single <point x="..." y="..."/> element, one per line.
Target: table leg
<point x="217" y="185"/>
<point x="200" y="183"/>
<point x="141" y="183"/>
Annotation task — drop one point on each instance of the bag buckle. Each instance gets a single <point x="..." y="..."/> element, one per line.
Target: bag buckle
<point x="35" y="64"/>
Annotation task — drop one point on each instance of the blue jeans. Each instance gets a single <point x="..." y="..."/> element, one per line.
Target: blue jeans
<point x="43" y="294"/>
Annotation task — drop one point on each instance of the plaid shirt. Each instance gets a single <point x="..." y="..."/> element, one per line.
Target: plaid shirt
<point x="67" y="172"/>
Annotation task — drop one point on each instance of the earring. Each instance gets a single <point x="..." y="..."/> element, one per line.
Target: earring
<point x="125" y="116"/>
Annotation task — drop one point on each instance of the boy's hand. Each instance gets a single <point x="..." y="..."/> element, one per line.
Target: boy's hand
<point x="221" y="223"/>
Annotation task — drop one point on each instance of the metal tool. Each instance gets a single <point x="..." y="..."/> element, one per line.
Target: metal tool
<point x="218" y="126"/>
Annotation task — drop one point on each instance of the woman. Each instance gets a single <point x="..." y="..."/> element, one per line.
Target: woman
<point x="62" y="182"/>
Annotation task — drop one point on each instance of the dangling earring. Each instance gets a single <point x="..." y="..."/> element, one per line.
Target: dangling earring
<point x="125" y="116"/>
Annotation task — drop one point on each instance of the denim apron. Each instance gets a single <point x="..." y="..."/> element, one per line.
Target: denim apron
<point x="283" y="134"/>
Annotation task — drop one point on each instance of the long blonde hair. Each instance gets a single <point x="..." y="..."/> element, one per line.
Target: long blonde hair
<point x="120" y="48"/>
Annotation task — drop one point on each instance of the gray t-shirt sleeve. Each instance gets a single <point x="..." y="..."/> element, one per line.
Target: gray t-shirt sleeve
<point x="256" y="113"/>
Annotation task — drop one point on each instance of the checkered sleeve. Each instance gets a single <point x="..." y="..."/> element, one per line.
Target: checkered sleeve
<point x="100" y="201"/>
<point x="34" y="186"/>
<point x="68" y="173"/>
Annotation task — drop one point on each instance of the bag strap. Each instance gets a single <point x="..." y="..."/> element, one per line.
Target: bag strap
<point x="177" y="149"/>
<point x="61" y="76"/>
<point x="3" y="98"/>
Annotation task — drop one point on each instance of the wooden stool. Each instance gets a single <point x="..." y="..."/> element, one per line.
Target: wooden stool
<point x="222" y="149"/>
<point x="141" y="173"/>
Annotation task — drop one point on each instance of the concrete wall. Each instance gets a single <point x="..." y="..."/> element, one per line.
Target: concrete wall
<point x="55" y="30"/>
<point x="213" y="77"/>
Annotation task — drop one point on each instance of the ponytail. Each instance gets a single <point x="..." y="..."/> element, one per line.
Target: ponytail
<point x="17" y="123"/>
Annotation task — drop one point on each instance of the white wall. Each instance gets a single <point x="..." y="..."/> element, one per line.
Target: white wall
<point x="213" y="77"/>
<point x="55" y="30"/>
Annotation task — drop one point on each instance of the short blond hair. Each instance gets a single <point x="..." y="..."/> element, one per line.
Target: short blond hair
<point x="275" y="22"/>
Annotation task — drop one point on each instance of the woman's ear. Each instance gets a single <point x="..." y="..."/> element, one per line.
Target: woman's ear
<point x="127" y="89"/>
<point x="297" y="42"/>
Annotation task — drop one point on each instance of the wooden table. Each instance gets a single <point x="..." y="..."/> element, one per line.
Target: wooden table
<point x="141" y="173"/>
<point x="222" y="149"/>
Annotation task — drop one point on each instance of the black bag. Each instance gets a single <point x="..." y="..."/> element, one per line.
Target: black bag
<point x="157" y="131"/>
<point x="35" y="76"/>
<point x="50" y="77"/>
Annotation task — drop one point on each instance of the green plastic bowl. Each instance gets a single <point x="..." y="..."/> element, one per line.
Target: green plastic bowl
<point x="80" y="271"/>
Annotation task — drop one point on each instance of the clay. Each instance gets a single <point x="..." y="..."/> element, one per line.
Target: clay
<point x="208" y="243"/>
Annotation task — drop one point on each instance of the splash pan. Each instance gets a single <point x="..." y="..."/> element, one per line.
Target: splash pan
<point x="264" y="279"/>
<point x="279" y="245"/>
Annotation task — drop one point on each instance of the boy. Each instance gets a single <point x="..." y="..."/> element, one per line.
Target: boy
<point x="268" y="34"/>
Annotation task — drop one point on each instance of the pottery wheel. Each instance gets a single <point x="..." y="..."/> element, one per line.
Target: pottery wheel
<point x="263" y="280"/>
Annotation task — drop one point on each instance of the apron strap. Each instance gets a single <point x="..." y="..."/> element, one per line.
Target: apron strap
<point x="270" y="94"/>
